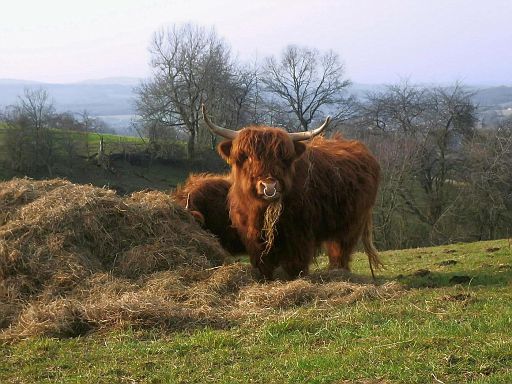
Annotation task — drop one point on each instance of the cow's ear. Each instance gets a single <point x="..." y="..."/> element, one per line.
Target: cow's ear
<point x="198" y="216"/>
<point x="300" y="147"/>
<point x="224" y="149"/>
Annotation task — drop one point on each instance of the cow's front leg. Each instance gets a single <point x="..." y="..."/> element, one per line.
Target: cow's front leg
<point x="264" y="262"/>
<point x="295" y="259"/>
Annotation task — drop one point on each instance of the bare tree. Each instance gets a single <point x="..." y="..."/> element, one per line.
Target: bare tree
<point x="307" y="82"/>
<point x="18" y="140"/>
<point x="67" y="137"/>
<point x="449" y="120"/>
<point x="29" y="131"/>
<point x="232" y="102"/>
<point x="399" y="108"/>
<point x="89" y="125"/>
<point x="433" y="124"/>
<point x="37" y="107"/>
<point x="396" y="155"/>
<point x="488" y="182"/>
<point x="190" y="64"/>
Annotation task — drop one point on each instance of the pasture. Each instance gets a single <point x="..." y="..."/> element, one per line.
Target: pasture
<point x="93" y="292"/>
<point x="75" y="154"/>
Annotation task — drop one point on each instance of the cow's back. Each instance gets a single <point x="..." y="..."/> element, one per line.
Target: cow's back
<point x="335" y="185"/>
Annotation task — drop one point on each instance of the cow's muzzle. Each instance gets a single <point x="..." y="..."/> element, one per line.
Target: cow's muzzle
<point x="269" y="189"/>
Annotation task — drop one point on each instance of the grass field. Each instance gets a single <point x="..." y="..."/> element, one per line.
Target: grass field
<point x="451" y="323"/>
<point x="124" y="177"/>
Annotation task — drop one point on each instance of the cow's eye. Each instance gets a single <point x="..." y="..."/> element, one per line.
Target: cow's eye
<point x="241" y="158"/>
<point x="286" y="162"/>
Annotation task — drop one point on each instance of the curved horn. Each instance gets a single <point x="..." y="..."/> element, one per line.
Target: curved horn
<point x="300" y="136"/>
<point x="224" y="132"/>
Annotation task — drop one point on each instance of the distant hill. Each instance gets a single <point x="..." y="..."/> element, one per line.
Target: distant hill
<point x="485" y="96"/>
<point x="132" y="81"/>
<point x="360" y="90"/>
<point x="112" y="98"/>
<point x="494" y="96"/>
<point x="18" y="82"/>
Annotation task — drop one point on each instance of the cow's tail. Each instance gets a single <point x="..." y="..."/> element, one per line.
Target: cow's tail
<point x="369" y="248"/>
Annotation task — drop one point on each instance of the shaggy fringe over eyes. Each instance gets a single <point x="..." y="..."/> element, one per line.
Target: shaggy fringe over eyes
<point x="265" y="143"/>
<point x="269" y="230"/>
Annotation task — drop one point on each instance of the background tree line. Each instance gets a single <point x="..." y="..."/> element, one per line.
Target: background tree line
<point x="445" y="178"/>
<point x="192" y="65"/>
<point x="37" y="139"/>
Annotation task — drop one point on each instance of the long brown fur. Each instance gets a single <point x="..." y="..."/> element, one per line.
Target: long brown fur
<point x="206" y="196"/>
<point x="328" y="187"/>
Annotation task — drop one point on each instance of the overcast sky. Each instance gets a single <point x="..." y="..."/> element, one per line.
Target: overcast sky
<point x="380" y="41"/>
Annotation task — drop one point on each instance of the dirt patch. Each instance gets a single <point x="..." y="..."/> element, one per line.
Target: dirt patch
<point x="504" y="267"/>
<point x="421" y="272"/>
<point x="464" y="297"/>
<point x="76" y="258"/>
<point x="445" y="263"/>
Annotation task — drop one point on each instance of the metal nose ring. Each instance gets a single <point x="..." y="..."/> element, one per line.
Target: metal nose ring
<point x="265" y="192"/>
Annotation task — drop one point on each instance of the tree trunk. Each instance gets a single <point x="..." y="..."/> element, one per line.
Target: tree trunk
<point x="191" y="144"/>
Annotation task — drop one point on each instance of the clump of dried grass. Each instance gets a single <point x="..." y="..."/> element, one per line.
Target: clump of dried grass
<point x="76" y="258"/>
<point x="175" y="300"/>
<point x="17" y="193"/>
<point x="270" y="219"/>
<point x="305" y="291"/>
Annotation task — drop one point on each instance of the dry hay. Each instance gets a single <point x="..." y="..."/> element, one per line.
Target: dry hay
<point x="270" y="219"/>
<point x="55" y="234"/>
<point x="75" y="258"/>
<point x="16" y="193"/>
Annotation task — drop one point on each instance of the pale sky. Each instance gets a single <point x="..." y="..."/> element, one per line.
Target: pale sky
<point x="379" y="41"/>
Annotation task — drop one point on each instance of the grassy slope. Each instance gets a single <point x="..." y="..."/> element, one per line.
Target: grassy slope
<point x="127" y="177"/>
<point x="437" y="331"/>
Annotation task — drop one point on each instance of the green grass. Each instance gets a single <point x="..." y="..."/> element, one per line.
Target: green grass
<point x="436" y="331"/>
<point x="113" y="143"/>
<point x="124" y="177"/>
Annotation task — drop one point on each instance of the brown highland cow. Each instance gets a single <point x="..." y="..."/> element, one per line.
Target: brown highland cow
<point x="205" y="197"/>
<point x="288" y="197"/>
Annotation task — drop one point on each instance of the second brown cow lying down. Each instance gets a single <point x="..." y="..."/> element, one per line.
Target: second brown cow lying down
<point x="205" y="197"/>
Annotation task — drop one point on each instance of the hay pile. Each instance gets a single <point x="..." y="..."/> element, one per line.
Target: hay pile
<point x="76" y="258"/>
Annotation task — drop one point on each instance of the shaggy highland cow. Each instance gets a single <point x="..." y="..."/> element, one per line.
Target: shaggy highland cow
<point x="288" y="197"/>
<point x="205" y="197"/>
